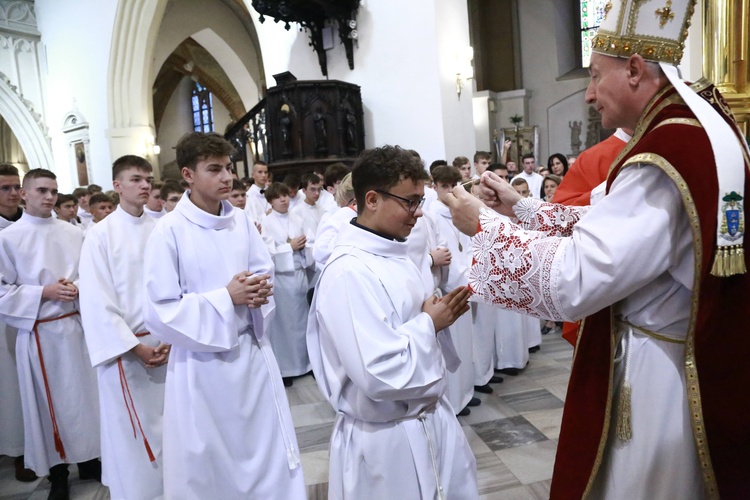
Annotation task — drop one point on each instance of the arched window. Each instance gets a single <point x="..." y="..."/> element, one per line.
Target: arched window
<point x="592" y="12"/>
<point x="203" y="113"/>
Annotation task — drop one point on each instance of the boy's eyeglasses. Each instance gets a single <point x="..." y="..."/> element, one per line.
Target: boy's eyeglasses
<point x="411" y="205"/>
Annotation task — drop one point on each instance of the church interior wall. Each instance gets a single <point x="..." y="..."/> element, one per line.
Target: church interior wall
<point x="397" y="64"/>
<point x="77" y="39"/>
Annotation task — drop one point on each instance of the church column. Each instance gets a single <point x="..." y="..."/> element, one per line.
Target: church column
<point x="726" y="38"/>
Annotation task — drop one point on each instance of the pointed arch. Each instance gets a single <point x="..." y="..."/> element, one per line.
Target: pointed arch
<point x="25" y="125"/>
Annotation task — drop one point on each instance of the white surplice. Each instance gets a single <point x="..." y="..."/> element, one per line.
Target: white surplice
<point x="286" y="330"/>
<point x="328" y="201"/>
<point x="154" y="214"/>
<point x="35" y="252"/>
<point x="378" y="362"/>
<point x="11" y="416"/>
<point x="328" y="231"/>
<point x="460" y="383"/>
<point x="534" y="181"/>
<point x="256" y="205"/>
<point x="634" y="250"/>
<point x="424" y="237"/>
<point x="228" y="431"/>
<point x="311" y="216"/>
<point x="131" y="396"/>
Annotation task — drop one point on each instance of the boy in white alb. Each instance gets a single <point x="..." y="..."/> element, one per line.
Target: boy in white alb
<point x="228" y="431"/>
<point x="285" y="238"/>
<point x="373" y="347"/>
<point x="129" y="361"/>
<point x="311" y="212"/>
<point x="11" y="417"/>
<point x="38" y="296"/>
<point x="461" y="382"/>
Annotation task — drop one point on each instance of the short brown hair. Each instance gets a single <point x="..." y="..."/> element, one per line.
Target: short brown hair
<point x="38" y="173"/>
<point x="100" y="198"/>
<point x="517" y="181"/>
<point x="130" y="161"/>
<point x="8" y="169"/>
<point x="80" y="191"/>
<point x="197" y="146"/>
<point x="335" y="173"/>
<point x="382" y="168"/>
<point x="444" y="173"/>
<point x="459" y="161"/>
<point x="170" y="187"/>
<point x="481" y="155"/>
<point x="64" y="198"/>
<point x="275" y="190"/>
<point x="238" y="186"/>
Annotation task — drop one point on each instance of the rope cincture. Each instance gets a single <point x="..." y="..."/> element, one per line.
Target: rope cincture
<point x="59" y="447"/>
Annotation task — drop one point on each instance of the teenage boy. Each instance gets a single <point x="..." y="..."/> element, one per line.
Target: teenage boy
<point x="311" y="212"/>
<point x="461" y="382"/>
<point x="228" y="431"/>
<point x="257" y="207"/>
<point x="155" y="206"/>
<point x="533" y="179"/>
<point x="82" y="195"/>
<point x="481" y="162"/>
<point x="238" y="196"/>
<point x="170" y="194"/>
<point x="11" y="417"/>
<point x="334" y="174"/>
<point x="285" y="237"/>
<point x="373" y="346"/>
<point x="66" y="209"/>
<point x="127" y="358"/>
<point x="38" y="267"/>
<point x="100" y="206"/>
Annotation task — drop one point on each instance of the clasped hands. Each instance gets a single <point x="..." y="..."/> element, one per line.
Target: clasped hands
<point x="250" y="289"/>
<point x="493" y="192"/>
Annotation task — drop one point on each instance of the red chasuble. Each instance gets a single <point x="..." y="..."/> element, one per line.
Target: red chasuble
<point x="716" y="371"/>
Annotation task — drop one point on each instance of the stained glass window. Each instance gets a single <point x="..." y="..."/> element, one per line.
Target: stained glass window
<point x="203" y="113"/>
<point x="592" y="13"/>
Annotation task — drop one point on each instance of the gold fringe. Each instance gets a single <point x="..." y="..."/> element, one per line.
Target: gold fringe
<point x="718" y="268"/>
<point x="624" y="424"/>
<point x="729" y="261"/>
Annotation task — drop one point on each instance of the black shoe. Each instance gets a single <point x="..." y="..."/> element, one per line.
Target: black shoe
<point x="287" y="381"/>
<point x="534" y="349"/>
<point x="546" y="330"/>
<point x="483" y="389"/>
<point x="509" y="371"/>
<point x="466" y="411"/>
<point x="495" y="380"/>
<point x="22" y="473"/>
<point x="91" y="469"/>
<point x="58" y="478"/>
<point x="474" y="402"/>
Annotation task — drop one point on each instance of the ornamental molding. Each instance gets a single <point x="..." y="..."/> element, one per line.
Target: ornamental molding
<point x="19" y="16"/>
<point x="29" y="106"/>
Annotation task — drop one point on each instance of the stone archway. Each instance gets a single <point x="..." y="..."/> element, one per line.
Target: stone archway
<point x="130" y="113"/>
<point x="26" y="125"/>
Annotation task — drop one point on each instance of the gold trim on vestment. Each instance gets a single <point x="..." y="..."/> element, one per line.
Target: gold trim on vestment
<point x="654" y="335"/>
<point x="691" y="371"/>
<point x="679" y="121"/>
<point x="608" y="410"/>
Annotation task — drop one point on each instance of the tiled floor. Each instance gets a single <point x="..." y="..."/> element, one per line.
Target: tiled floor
<point x="513" y="434"/>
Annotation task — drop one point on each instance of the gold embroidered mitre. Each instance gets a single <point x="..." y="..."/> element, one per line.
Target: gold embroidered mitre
<point x="655" y="29"/>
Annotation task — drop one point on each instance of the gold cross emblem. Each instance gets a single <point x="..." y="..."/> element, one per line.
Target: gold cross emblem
<point x="665" y="14"/>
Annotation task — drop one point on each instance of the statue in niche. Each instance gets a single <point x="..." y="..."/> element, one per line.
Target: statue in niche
<point x="321" y="136"/>
<point x="575" y="136"/>
<point x="285" y="123"/>
<point x="351" y="132"/>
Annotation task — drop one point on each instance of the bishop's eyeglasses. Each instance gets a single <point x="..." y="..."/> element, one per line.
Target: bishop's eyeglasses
<point x="410" y="205"/>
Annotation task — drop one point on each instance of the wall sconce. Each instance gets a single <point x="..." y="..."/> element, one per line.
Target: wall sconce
<point x="464" y="68"/>
<point x="151" y="149"/>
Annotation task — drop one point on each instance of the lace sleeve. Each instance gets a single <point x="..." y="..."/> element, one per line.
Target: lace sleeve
<point x="517" y="269"/>
<point x="549" y="218"/>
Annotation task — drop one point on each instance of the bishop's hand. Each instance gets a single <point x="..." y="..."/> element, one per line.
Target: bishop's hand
<point x="464" y="210"/>
<point x="445" y="311"/>
<point x="497" y="194"/>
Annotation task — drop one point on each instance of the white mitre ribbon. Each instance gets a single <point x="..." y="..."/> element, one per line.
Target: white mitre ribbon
<point x="730" y="169"/>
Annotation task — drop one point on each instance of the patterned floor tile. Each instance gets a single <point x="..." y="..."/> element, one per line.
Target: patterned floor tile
<point x="508" y="433"/>
<point x="540" y="399"/>
<point x="531" y="463"/>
